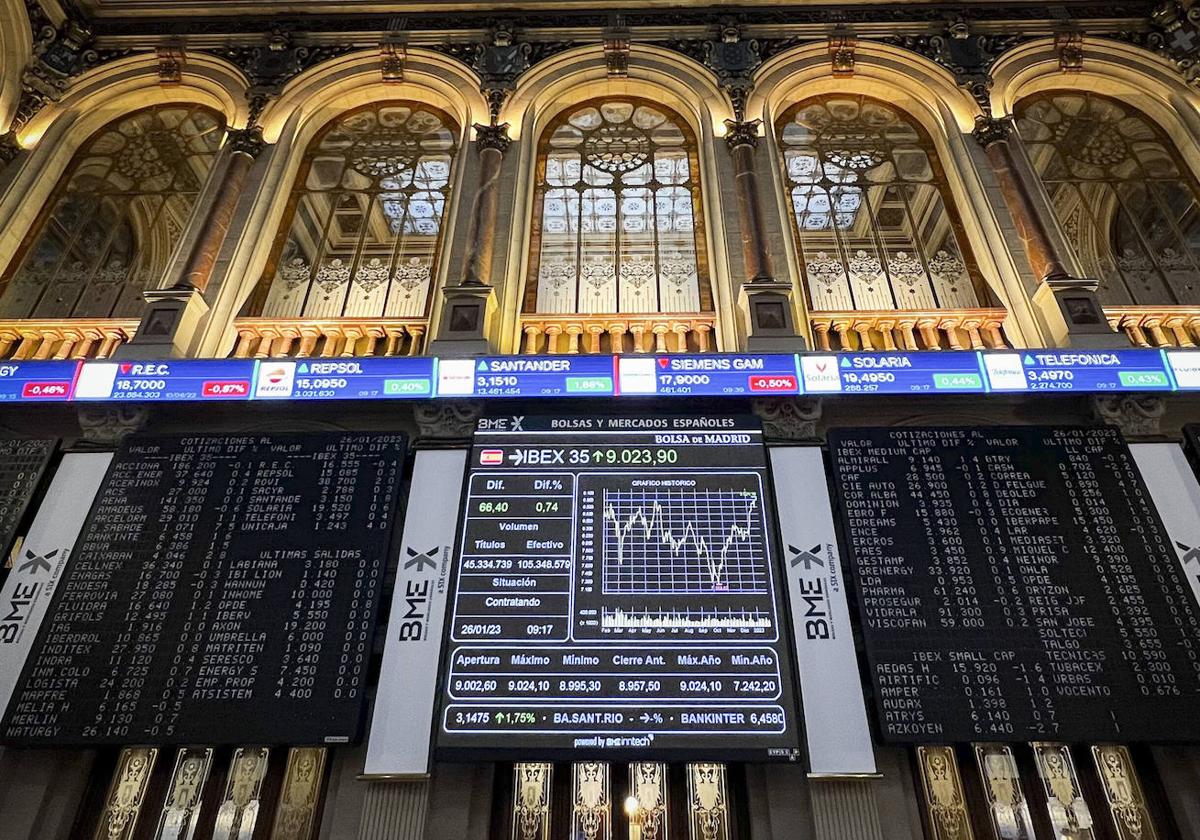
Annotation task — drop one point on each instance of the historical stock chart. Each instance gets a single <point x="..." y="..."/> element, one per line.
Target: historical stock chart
<point x="616" y="592"/>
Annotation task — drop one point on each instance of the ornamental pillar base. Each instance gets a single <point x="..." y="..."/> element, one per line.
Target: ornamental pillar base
<point x="1072" y="316"/>
<point x="169" y="325"/>
<point x="466" y="314"/>
<point x="770" y="325"/>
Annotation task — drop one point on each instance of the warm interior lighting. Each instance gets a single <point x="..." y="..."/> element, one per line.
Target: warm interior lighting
<point x="631" y="805"/>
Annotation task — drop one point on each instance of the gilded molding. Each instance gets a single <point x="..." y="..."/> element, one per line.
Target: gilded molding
<point x="303" y="778"/>
<point x="1065" y="805"/>
<point x="1008" y="808"/>
<point x="941" y="784"/>
<point x="591" y="800"/>
<point x="185" y="792"/>
<point x="531" y="800"/>
<point x="238" y="812"/>
<point x="126" y="794"/>
<point x="1123" y="792"/>
<point x="708" y="802"/>
<point x="649" y="818"/>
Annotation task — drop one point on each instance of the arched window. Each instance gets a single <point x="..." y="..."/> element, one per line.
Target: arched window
<point x="873" y="213"/>
<point x="617" y="225"/>
<point x="111" y="229"/>
<point x="363" y="225"/>
<point x="1124" y="198"/>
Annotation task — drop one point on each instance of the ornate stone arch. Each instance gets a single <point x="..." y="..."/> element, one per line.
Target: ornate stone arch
<point x="94" y="100"/>
<point x="304" y="107"/>
<point x="945" y="111"/>
<point x="567" y="79"/>
<point x="15" y="52"/>
<point x="1143" y="79"/>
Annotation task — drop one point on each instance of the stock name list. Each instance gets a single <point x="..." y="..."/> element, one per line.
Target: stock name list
<point x="224" y="590"/>
<point x="1016" y="584"/>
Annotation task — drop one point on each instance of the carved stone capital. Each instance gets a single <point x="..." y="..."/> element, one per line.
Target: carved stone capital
<point x="741" y="133"/>
<point x="494" y="137"/>
<point x="789" y="418"/>
<point x="9" y="148"/>
<point x="450" y="420"/>
<point x="990" y="130"/>
<point x="246" y="141"/>
<point x="1136" y="415"/>
<point x="107" y="424"/>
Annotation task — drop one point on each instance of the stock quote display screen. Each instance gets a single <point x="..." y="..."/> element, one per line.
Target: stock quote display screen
<point x="1016" y="584"/>
<point x="223" y="590"/>
<point x="616" y="593"/>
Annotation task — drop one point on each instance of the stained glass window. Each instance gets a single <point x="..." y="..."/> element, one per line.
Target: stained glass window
<point x="617" y="224"/>
<point x="1125" y="201"/>
<point x="872" y="210"/>
<point x="117" y="216"/>
<point x="363" y="226"/>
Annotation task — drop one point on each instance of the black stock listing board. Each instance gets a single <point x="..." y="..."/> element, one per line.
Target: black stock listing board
<point x="1016" y="584"/>
<point x="224" y="590"/>
<point x="22" y="464"/>
<point x="616" y="593"/>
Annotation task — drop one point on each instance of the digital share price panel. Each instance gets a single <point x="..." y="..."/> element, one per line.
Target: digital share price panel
<point x="1016" y="584"/>
<point x="616" y="593"/>
<point x="223" y="591"/>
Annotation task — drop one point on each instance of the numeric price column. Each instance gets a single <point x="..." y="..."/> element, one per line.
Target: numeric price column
<point x="514" y="583"/>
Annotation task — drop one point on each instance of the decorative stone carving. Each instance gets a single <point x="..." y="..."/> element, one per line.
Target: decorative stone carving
<point x="492" y="137"/>
<point x="392" y="56"/>
<point x="1069" y="46"/>
<point x="9" y="148"/>
<point x="1136" y="415"/>
<point x="171" y="59"/>
<point x="105" y="425"/>
<point x="734" y="60"/>
<point x="616" y="52"/>
<point x="789" y="418"/>
<point x="989" y="130"/>
<point x="450" y="420"/>
<point x="968" y="56"/>
<point x="499" y="65"/>
<point x="841" y="55"/>
<point x="246" y="141"/>
<point x="742" y="133"/>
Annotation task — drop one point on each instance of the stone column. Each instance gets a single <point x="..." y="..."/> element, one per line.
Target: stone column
<point x="492" y="142"/>
<point x="1067" y="305"/>
<point x="766" y="302"/>
<point x="244" y="146"/>
<point x="467" y="305"/>
<point x="173" y="314"/>
<point x="742" y="140"/>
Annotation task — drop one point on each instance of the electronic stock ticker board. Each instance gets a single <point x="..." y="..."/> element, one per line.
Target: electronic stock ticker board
<point x="616" y="593"/>
<point x="1016" y="584"/>
<point x="223" y="591"/>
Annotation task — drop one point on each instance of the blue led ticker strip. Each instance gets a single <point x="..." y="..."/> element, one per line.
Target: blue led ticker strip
<point x="665" y="375"/>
